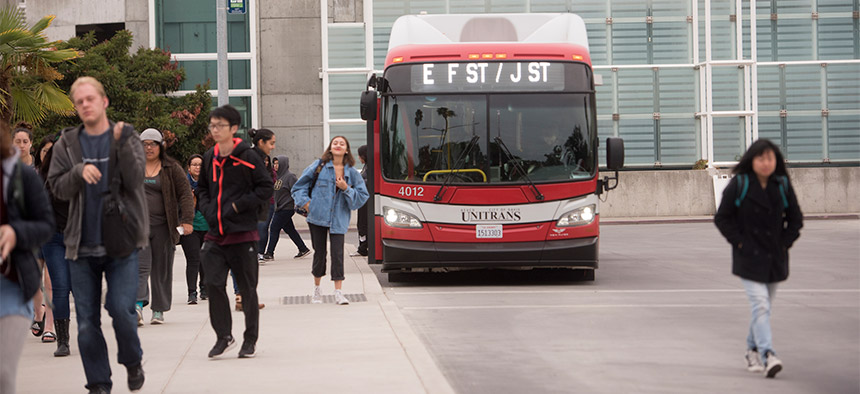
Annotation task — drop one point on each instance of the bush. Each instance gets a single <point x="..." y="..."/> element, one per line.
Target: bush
<point x="138" y="87"/>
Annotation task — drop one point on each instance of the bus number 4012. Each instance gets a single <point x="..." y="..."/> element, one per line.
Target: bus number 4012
<point x="409" y="191"/>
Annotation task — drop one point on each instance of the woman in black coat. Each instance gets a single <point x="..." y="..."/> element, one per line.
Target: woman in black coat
<point x="761" y="219"/>
<point x="26" y="222"/>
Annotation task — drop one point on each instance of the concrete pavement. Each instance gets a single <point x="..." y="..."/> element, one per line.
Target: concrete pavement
<point x="365" y="347"/>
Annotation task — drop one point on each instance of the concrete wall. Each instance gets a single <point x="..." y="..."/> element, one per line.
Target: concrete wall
<point x="691" y="192"/>
<point x="134" y="13"/>
<point x="290" y="60"/>
<point x="290" y="88"/>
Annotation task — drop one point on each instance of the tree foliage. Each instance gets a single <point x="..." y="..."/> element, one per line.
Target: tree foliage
<point x="28" y="76"/>
<point x="138" y="86"/>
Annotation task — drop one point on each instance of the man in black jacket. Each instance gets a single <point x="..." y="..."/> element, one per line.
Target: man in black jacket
<point x="233" y="186"/>
<point x="81" y="169"/>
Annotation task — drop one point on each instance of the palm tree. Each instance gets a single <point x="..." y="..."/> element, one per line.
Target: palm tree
<point x="28" y="88"/>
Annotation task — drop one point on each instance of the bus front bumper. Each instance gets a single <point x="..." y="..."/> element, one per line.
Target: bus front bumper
<point x="570" y="253"/>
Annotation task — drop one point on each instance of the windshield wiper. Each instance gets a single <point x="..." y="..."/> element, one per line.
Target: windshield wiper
<point x="460" y="160"/>
<point x="538" y="194"/>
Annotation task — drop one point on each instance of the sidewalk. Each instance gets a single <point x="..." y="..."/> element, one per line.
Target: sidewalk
<point x="365" y="347"/>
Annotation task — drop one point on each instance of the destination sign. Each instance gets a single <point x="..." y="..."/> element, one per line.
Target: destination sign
<point x="487" y="76"/>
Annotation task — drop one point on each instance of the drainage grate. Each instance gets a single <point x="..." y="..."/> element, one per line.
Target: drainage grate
<point x="326" y="299"/>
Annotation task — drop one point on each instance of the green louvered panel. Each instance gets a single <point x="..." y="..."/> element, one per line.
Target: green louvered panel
<point x="597" y="43"/>
<point x="727" y="88"/>
<point x="843" y="137"/>
<point x="843" y="87"/>
<point x="729" y="140"/>
<point x="803" y="88"/>
<point x="843" y="100"/>
<point x="636" y="93"/>
<point x="677" y="124"/>
<point x="770" y="127"/>
<point x="344" y="92"/>
<point x="788" y="36"/>
<point x="722" y="30"/>
<point x="345" y="47"/>
<point x="487" y="6"/>
<point x="671" y="42"/>
<point x="770" y="99"/>
<point x="591" y="9"/>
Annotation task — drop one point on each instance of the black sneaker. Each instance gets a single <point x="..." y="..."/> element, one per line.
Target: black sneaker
<point x="135" y="377"/>
<point x="221" y="346"/>
<point x="203" y="295"/>
<point x="99" y="390"/>
<point x="268" y="256"/>
<point x="302" y="254"/>
<point x="249" y="350"/>
<point x="192" y="298"/>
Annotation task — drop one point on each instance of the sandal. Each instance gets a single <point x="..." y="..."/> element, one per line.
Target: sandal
<point x="49" y="337"/>
<point x="38" y="327"/>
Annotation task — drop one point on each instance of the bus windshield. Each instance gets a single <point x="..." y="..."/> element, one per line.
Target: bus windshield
<point x="549" y="137"/>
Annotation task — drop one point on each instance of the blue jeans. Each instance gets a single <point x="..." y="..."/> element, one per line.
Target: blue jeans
<point x="121" y="277"/>
<point x="761" y="297"/>
<point x="263" y="230"/>
<point x="54" y="252"/>
<point x="283" y="220"/>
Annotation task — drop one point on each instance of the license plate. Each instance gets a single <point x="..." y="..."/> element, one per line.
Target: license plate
<point x="488" y="231"/>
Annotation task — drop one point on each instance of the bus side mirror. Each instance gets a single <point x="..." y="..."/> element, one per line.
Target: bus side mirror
<point x="368" y="105"/>
<point x="614" y="153"/>
<point x="614" y="161"/>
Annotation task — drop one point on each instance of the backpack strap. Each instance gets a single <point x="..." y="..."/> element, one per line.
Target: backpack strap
<point x="743" y="188"/>
<point x="783" y="186"/>
<point x="316" y="176"/>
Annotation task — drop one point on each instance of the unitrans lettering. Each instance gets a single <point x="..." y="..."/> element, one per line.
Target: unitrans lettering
<point x="490" y="216"/>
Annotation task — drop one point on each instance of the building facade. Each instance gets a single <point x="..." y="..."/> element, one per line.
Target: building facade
<point x="683" y="81"/>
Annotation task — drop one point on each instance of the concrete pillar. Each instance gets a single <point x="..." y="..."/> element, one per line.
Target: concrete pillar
<point x="290" y="87"/>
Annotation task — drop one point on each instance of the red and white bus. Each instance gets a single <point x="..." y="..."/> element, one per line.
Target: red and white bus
<point x="483" y="138"/>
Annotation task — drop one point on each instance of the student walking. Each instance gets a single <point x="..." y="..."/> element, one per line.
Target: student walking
<point x="284" y="209"/>
<point x="264" y="143"/>
<point x="26" y="222"/>
<point x="761" y="219"/>
<point x="191" y="242"/>
<point x="234" y="186"/>
<point x="362" y="212"/>
<point x="94" y="166"/>
<point x="54" y="252"/>
<point x="328" y="190"/>
<point x="171" y="207"/>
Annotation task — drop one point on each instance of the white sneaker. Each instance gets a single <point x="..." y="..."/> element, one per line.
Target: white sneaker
<point x="753" y="361"/>
<point x="339" y="298"/>
<point x="317" y="297"/>
<point x="772" y="366"/>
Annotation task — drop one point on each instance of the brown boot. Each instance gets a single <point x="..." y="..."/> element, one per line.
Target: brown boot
<point x="62" y="326"/>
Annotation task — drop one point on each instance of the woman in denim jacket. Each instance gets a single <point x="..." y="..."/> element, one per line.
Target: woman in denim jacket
<point x="338" y="190"/>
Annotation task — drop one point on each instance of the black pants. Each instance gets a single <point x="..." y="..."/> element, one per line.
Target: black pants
<point x="191" y="244"/>
<point x="240" y="258"/>
<point x="318" y="235"/>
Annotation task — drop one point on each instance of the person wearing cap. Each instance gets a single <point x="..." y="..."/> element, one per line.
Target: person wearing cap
<point x="171" y="214"/>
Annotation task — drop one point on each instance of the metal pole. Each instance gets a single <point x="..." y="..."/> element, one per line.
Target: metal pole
<point x="221" y="32"/>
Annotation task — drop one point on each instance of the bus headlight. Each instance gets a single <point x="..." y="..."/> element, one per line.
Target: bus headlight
<point x="577" y="217"/>
<point x="397" y="218"/>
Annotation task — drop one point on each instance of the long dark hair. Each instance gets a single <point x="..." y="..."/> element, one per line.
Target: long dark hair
<point x="37" y="157"/>
<point x="757" y="149"/>
<point x="260" y="134"/>
<point x="347" y="157"/>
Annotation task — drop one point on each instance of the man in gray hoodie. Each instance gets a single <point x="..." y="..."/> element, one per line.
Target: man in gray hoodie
<point x="81" y="169"/>
<point x="284" y="209"/>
